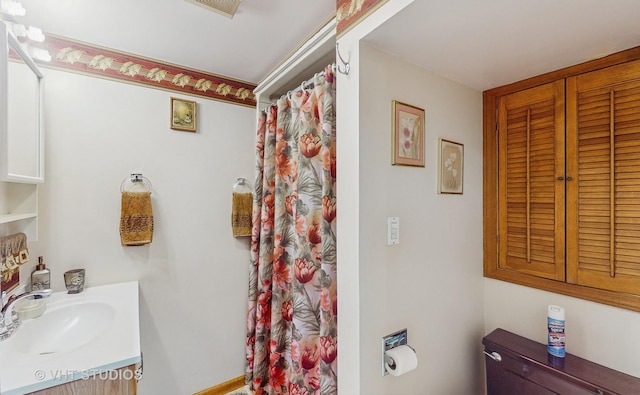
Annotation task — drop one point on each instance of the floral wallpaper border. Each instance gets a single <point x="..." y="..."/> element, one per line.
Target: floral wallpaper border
<point x="84" y="58"/>
<point x="350" y="12"/>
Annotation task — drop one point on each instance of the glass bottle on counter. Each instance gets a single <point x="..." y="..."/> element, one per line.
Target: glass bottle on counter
<point x="41" y="277"/>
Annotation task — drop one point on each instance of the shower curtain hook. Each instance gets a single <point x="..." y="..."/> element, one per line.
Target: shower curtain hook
<point x="347" y="66"/>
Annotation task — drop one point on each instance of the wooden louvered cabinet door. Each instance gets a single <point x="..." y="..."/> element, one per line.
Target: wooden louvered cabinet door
<point x="603" y="201"/>
<point x="531" y="188"/>
<point x="561" y="168"/>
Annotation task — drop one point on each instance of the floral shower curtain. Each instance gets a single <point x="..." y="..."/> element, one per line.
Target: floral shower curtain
<point x="292" y="314"/>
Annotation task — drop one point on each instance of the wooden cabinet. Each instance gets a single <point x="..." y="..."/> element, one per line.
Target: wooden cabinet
<point x="516" y="365"/>
<point x="121" y="381"/>
<point x="562" y="181"/>
<point x="531" y="198"/>
<point x="603" y="150"/>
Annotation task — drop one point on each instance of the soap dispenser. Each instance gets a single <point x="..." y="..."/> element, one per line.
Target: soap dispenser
<point x="41" y="277"/>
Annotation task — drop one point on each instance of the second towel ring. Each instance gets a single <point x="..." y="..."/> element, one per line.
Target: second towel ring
<point x="136" y="179"/>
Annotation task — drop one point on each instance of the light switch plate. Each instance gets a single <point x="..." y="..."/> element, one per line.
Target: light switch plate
<point x="393" y="231"/>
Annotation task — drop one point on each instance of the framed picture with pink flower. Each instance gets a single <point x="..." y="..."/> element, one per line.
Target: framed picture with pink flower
<point x="408" y="135"/>
<point x="451" y="167"/>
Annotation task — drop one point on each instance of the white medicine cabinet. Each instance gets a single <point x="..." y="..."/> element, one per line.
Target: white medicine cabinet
<point x="21" y="137"/>
<point x="21" y="114"/>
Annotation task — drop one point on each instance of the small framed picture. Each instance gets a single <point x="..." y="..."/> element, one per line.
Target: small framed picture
<point x="183" y="114"/>
<point x="451" y="167"/>
<point x="408" y="135"/>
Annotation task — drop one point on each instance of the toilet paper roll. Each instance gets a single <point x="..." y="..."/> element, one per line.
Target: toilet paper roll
<point x="400" y="360"/>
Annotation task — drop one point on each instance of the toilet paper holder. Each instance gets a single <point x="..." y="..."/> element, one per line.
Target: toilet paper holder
<point x="393" y="340"/>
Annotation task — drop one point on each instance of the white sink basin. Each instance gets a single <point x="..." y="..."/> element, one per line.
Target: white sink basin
<point x="94" y="331"/>
<point x="63" y="328"/>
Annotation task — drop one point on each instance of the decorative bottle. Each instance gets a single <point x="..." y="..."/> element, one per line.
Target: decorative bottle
<point x="41" y="277"/>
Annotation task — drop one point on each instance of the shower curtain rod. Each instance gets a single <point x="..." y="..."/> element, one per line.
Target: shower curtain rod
<point x="309" y="83"/>
<point x="304" y="85"/>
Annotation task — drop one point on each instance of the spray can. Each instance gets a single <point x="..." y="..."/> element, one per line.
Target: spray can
<point x="555" y="327"/>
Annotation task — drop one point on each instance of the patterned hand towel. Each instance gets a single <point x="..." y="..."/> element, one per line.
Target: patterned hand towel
<point x="241" y="210"/>
<point x="136" y="219"/>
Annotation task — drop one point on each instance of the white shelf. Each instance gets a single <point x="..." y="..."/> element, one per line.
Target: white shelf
<point x="19" y="209"/>
<point x="6" y="218"/>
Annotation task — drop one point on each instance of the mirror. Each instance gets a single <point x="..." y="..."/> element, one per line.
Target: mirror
<point x="21" y="114"/>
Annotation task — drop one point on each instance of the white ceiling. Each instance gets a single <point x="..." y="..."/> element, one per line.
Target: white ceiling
<point x="247" y="47"/>
<point x="479" y="43"/>
<point x="489" y="43"/>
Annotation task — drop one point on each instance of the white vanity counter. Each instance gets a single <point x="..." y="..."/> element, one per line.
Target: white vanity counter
<point x="78" y="336"/>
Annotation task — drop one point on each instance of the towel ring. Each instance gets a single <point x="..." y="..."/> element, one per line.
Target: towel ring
<point x="242" y="185"/>
<point x="137" y="178"/>
<point x="241" y="181"/>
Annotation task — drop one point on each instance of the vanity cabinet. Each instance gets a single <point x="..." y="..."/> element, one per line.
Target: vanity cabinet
<point x="517" y="365"/>
<point x="122" y="383"/>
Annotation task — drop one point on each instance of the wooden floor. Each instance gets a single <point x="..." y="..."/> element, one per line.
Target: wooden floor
<point x="235" y="386"/>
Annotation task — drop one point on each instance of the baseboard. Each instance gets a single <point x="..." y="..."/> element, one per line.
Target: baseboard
<point x="223" y="388"/>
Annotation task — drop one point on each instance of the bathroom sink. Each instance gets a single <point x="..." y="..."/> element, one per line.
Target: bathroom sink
<point x="63" y="328"/>
<point x="81" y="334"/>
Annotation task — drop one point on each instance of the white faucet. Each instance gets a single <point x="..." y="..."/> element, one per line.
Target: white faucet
<point x="8" y="324"/>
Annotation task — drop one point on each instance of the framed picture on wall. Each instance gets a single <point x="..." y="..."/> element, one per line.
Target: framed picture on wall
<point x="408" y="135"/>
<point x="183" y="114"/>
<point x="450" y="167"/>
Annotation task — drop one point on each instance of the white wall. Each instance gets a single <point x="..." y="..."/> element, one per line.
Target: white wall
<point x="193" y="277"/>
<point x="431" y="283"/>
<point x="348" y="204"/>
<point x="603" y="334"/>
